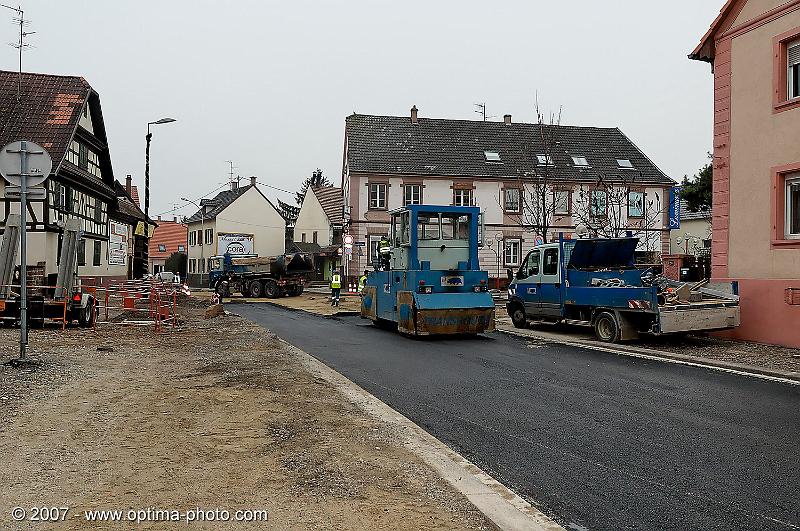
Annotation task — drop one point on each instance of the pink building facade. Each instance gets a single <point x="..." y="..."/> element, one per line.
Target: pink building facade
<point x="754" y="49"/>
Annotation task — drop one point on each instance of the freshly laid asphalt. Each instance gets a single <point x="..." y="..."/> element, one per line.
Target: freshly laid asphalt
<point x="594" y="440"/>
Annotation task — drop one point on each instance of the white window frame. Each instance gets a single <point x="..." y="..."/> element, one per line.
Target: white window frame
<point x="372" y="248"/>
<point x="492" y="156"/>
<point x="377" y="196"/>
<point x="791" y="180"/>
<point x="790" y="88"/>
<point x="544" y="160"/>
<point x="412" y="194"/>
<point x="209" y="236"/>
<point x="459" y="194"/>
<point x="558" y="212"/>
<point x="592" y="212"/>
<point x="580" y="162"/>
<point x="631" y="192"/>
<point x="508" y="245"/>
<point x="625" y="164"/>
<point x="518" y="200"/>
<point x="192" y="238"/>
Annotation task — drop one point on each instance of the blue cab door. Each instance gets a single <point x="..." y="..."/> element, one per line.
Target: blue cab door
<point x="527" y="282"/>
<point x="549" y="287"/>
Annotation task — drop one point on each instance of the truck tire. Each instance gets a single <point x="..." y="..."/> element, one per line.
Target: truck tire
<point x="221" y="289"/>
<point x="87" y="315"/>
<point x="518" y="317"/>
<point x="606" y="327"/>
<point x="256" y="289"/>
<point x="297" y="291"/>
<point x="271" y="289"/>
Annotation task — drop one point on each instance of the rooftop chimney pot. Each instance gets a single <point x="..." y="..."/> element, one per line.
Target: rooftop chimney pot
<point x="234" y="185"/>
<point x="128" y="184"/>
<point x="414" y="114"/>
<point x="253" y="180"/>
<point x="507" y="119"/>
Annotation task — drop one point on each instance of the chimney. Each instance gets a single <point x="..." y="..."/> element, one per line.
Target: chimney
<point x="253" y="180"/>
<point x="174" y="219"/>
<point x="414" y="114"/>
<point x="159" y="217"/>
<point x="234" y="186"/>
<point x="507" y="119"/>
<point x="128" y="184"/>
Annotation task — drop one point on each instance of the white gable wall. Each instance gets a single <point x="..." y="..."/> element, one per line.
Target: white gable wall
<point x="312" y="218"/>
<point x="251" y="213"/>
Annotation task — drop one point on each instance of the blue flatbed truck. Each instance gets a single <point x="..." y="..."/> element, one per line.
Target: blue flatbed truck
<point x="594" y="282"/>
<point x="434" y="284"/>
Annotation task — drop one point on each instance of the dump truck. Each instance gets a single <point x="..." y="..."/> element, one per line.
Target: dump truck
<point x="63" y="301"/>
<point x="433" y="284"/>
<point x="595" y="282"/>
<point x="254" y="276"/>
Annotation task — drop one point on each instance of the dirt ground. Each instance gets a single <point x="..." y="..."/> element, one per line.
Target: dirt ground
<point x="216" y="414"/>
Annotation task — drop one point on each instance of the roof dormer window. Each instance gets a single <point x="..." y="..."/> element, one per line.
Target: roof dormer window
<point x="580" y="162"/>
<point x="491" y="156"/>
<point x="625" y="164"/>
<point x="544" y="160"/>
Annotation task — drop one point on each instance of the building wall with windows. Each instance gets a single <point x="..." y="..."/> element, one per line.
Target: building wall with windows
<point x="502" y="203"/>
<point x="754" y="47"/>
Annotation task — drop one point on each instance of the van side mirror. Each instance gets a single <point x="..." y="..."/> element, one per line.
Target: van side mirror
<point x="510" y="274"/>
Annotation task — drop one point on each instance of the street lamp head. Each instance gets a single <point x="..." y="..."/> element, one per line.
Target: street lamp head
<point x="163" y="121"/>
<point x="184" y="199"/>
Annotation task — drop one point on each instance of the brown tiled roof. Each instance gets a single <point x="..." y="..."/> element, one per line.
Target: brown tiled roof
<point x="47" y="113"/>
<point x="332" y="201"/>
<point x="125" y="204"/>
<point x="169" y="234"/>
<point x="135" y="195"/>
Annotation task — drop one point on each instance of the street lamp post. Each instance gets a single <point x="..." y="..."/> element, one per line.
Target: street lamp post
<point x="202" y="234"/>
<point x="147" y="161"/>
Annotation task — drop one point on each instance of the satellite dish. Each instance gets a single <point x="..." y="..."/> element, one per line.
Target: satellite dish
<point x="582" y="231"/>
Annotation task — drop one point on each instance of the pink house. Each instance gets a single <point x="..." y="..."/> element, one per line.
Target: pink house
<point x="754" y="50"/>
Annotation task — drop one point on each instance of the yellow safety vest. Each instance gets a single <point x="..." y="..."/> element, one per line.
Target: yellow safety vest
<point x="336" y="281"/>
<point x="361" y="281"/>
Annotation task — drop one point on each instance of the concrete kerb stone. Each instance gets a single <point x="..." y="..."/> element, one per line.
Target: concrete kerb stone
<point x="752" y="371"/>
<point x="498" y="503"/>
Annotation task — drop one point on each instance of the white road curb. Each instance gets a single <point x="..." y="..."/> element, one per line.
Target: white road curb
<point x="500" y="504"/>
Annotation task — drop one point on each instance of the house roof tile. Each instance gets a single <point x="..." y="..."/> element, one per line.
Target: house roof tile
<point x="394" y="145"/>
<point x="217" y="204"/>
<point x="332" y="201"/>
<point x="47" y="112"/>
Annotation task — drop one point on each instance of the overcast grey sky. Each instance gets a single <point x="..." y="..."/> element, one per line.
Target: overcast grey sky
<point x="269" y="84"/>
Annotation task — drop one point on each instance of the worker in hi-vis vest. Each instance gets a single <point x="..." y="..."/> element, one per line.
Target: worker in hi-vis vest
<point x="362" y="281"/>
<point x="385" y="252"/>
<point x="336" y="287"/>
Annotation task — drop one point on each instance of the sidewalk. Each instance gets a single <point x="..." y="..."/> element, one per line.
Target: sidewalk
<point x="770" y="360"/>
<point x="215" y="414"/>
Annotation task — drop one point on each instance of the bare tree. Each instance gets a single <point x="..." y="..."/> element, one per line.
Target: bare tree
<point x="538" y="208"/>
<point x="613" y="208"/>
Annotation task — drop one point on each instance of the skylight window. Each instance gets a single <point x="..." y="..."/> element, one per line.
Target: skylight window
<point x="492" y="156"/>
<point x="580" y="161"/>
<point x="624" y="163"/>
<point x="544" y="160"/>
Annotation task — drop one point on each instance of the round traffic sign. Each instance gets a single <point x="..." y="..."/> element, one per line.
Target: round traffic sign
<point x="348" y="239"/>
<point x="39" y="163"/>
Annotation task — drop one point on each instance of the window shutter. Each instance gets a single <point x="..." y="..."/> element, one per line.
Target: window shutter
<point x="793" y="53"/>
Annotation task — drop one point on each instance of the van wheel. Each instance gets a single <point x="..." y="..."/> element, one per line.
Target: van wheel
<point x="271" y="289"/>
<point x="86" y="315"/>
<point x="256" y="289"/>
<point x="518" y="318"/>
<point x="606" y="328"/>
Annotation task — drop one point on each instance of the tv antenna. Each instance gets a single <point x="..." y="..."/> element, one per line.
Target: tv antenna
<point x="20" y="44"/>
<point x="480" y="108"/>
<point x="230" y="172"/>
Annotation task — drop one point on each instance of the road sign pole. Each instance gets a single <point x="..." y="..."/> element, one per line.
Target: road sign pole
<point x="23" y="249"/>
